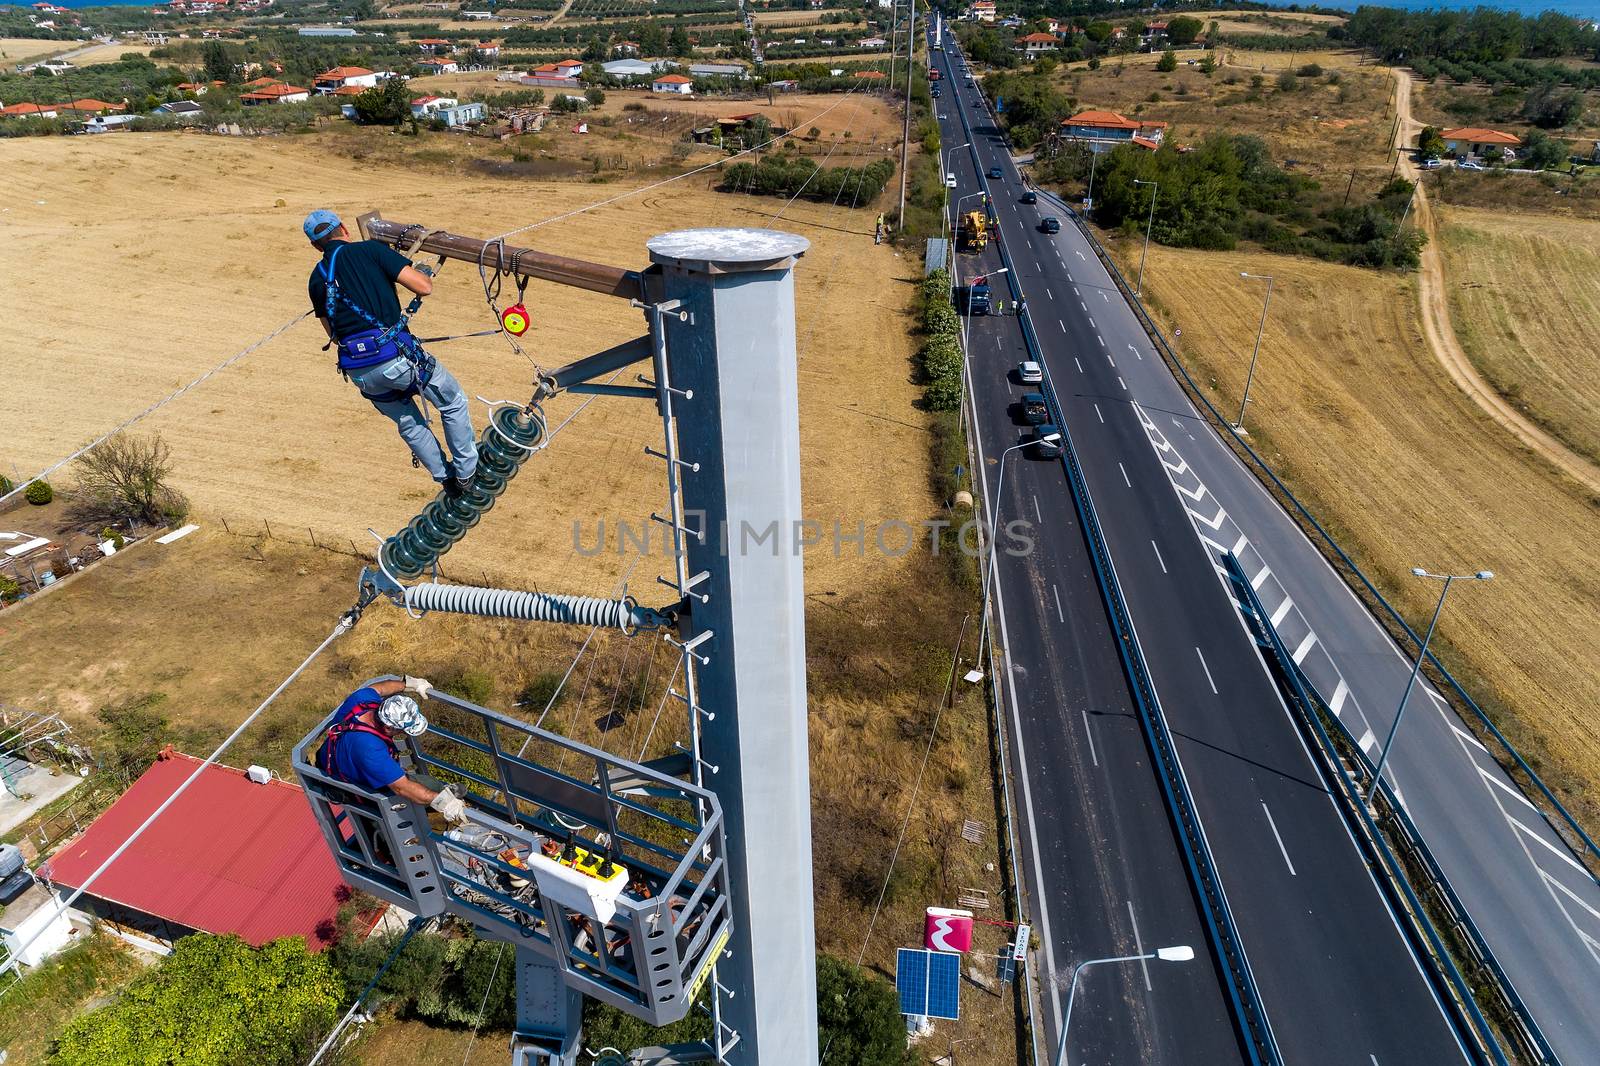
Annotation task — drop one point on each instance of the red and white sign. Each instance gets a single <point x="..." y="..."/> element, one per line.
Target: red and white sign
<point x="948" y="930"/>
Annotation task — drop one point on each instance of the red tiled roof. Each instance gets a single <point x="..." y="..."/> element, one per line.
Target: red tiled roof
<point x="870" y="74"/>
<point x="262" y="81"/>
<point x="1479" y="135"/>
<point x="1104" y="119"/>
<point x="674" y="79"/>
<point x="229" y="855"/>
<point x="89" y="103"/>
<point x="343" y="72"/>
<point x="348" y="90"/>
<point x="1145" y="142"/>
<point x="273" y="92"/>
<point x="1037" y="38"/>
<point x="28" y="109"/>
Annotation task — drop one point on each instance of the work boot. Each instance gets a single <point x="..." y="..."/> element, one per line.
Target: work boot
<point x="455" y="487"/>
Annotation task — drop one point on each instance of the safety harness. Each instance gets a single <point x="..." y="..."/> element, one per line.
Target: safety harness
<point x="380" y="343"/>
<point x="349" y="724"/>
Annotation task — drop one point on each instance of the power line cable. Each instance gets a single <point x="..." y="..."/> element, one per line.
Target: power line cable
<point x="225" y="364"/>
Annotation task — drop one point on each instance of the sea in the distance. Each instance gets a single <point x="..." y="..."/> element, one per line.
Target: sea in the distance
<point x="1586" y="9"/>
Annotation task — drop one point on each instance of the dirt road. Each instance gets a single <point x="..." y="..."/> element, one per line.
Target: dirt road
<point x="1441" y="335"/>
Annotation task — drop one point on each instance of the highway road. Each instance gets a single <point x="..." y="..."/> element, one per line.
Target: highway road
<point x="1338" y="980"/>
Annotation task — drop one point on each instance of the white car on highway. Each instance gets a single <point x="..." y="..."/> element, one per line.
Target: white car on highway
<point x="949" y="181"/>
<point x="1030" y="373"/>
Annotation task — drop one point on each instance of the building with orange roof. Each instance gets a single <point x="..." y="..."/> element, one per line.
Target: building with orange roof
<point x="1034" y="43"/>
<point x="339" y="77"/>
<point x="673" y="83"/>
<point x="28" y="111"/>
<point x="1104" y="130"/>
<point x="275" y="94"/>
<point x="1478" y="140"/>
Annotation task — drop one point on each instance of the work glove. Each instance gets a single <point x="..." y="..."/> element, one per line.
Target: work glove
<point x="420" y="685"/>
<point x="450" y="805"/>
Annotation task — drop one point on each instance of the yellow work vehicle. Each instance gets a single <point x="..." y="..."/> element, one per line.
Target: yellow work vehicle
<point x="973" y="233"/>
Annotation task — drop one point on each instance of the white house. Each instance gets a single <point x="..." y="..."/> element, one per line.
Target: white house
<point x="439" y="66"/>
<point x="872" y="42"/>
<point x="1033" y="44"/>
<point x="181" y="109"/>
<point x="427" y="105"/>
<point x="1478" y="141"/>
<point x="673" y="83"/>
<point x="463" y="114"/>
<point x="718" y="70"/>
<point x="275" y="94"/>
<point x="339" y="77"/>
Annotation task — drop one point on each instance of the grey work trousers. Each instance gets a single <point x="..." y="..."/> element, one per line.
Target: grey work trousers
<point x="444" y="393"/>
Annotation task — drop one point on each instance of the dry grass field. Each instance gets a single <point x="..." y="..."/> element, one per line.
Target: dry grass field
<point x="195" y="245"/>
<point x="110" y="53"/>
<point x="15" y="50"/>
<point x="1326" y="128"/>
<point x="1531" y="335"/>
<point x="1406" y="471"/>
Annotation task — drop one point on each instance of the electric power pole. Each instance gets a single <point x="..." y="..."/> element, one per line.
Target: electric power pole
<point x="905" y="139"/>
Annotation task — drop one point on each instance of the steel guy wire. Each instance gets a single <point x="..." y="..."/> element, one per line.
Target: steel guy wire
<point x="225" y="364"/>
<point x="345" y="622"/>
<point x="412" y="928"/>
<point x="484" y="1003"/>
<point x="849" y="126"/>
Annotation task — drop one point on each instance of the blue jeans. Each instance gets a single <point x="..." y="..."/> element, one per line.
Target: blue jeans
<point x="444" y="393"/>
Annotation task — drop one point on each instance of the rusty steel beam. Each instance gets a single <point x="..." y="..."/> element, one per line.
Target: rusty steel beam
<point x="496" y="255"/>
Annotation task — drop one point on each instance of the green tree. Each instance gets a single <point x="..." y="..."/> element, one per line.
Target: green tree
<point x="214" y="1001"/>
<point x="858" y="1017"/>
<point x="220" y="64"/>
<point x="1208" y="64"/>
<point x="1168" y="62"/>
<point x="1552" y="108"/>
<point x="39" y="493"/>
<point x="1288" y="82"/>
<point x="678" y="42"/>
<point x="126" y="478"/>
<point x="1183" y="29"/>
<point x="595" y="96"/>
<point x="1098" y="32"/>
<point x="1429" y="144"/>
<point x="1543" y="151"/>
<point x="385" y="104"/>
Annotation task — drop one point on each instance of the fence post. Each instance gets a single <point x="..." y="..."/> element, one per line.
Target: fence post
<point x="264" y="522"/>
<point x="225" y="528"/>
<point x="313" y="536"/>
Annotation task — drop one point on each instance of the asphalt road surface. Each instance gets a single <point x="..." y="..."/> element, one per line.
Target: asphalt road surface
<point x="1338" y="980"/>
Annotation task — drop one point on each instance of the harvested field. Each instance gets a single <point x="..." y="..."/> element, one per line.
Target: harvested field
<point x="110" y="53"/>
<point x="1533" y="339"/>
<point x="24" y="49"/>
<point x="1353" y="410"/>
<point x="213" y="621"/>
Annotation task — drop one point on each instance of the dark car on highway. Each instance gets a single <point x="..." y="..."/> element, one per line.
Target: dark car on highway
<point x="1032" y="409"/>
<point x="996" y="173"/>
<point x="1030" y="197"/>
<point x="1050" y="224"/>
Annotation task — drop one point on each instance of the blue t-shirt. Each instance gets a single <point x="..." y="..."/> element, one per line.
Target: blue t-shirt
<point x="360" y="758"/>
<point x="366" y="273"/>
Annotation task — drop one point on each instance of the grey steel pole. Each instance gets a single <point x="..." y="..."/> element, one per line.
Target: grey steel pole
<point x="1422" y="653"/>
<point x="994" y="526"/>
<point x="1179" y="953"/>
<point x="1260" y="327"/>
<point x="735" y="382"/>
<point x="1094" y="160"/>
<point x="1155" y="189"/>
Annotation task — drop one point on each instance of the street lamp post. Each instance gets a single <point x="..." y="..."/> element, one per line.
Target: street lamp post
<point x="1260" y="327"/>
<point x="966" y="317"/>
<point x="994" y="527"/>
<point x="1155" y="190"/>
<point x="1179" y="953"/>
<point x="1094" y="159"/>
<point x="1422" y="653"/>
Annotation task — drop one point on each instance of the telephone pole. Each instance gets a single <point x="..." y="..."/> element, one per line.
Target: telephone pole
<point x="905" y="139"/>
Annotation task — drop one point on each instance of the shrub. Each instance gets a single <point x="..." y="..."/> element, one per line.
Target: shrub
<point x="595" y="96"/>
<point x="858" y="1017"/>
<point x="1168" y="61"/>
<point x="39" y="493"/>
<point x="114" y="536"/>
<point x="1310" y="70"/>
<point x="940" y="318"/>
<point x="9" y="589"/>
<point x="474" y="686"/>
<point x="1288" y="82"/>
<point x="5" y="485"/>
<point x="126" y="478"/>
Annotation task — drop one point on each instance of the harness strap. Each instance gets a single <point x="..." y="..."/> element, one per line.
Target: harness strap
<point x="349" y="724"/>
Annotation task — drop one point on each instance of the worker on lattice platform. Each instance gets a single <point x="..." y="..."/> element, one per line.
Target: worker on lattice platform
<point x="359" y="748"/>
<point x="352" y="293"/>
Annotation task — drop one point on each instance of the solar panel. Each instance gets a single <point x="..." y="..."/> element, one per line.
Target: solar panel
<point x="929" y="983"/>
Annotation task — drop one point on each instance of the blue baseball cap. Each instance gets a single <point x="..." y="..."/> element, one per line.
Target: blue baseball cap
<point x="320" y="223"/>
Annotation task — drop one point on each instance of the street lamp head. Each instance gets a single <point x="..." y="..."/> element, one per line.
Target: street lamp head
<point x="1418" y="571"/>
<point x="1484" y="575"/>
<point x="1179" y="953"/>
<point x="1051" y="436"/>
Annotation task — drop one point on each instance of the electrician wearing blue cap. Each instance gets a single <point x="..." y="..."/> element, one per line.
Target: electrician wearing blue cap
<point x="359" y="747"/>
<point x="352" y="292"/>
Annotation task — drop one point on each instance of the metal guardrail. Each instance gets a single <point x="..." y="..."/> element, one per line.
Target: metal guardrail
<point x="1243" y="997"/>
<point x="1222" y="424"/>
<point x="1365" y="826"/>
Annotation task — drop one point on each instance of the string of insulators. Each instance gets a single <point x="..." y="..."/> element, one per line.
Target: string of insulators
<point x="505" y="444"/>
<point x="624" y="614"/>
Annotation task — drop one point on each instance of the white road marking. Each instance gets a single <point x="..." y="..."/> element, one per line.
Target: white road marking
<point x="1083" y="305"/>
<point x="1207" y="669"/>
<point x="1062" y="324"/>
<point x="1047" y="293"/>
<point x="1543" y="843"/>
<point x="1036" y="513"/>
<point x="1239" y="545"/>
<point x="1138" y="946"/>
<point x="1368" y="742"/>
<point x="1283" y="609"/>
<point x="1103" y="296"/>
<point x="1080" y="254"/>
<point x="1080" y="365"/>
<point x="1101" y="339"/>
<point x="1098" y="415"/>
<point x="1110" y="360"/>
<point x="1125" y="480"/>
<point x="1214" y="523"/>
<point x="1304" y="649"/>
<point x="1507" y="789"/>
<point x="1124" y="384"/>
<point x="1160" y="560"/>
<point x="1091" y="323"/>
<point x="1075" y="291"/>
<point x="1470" y="739"/>
<point x="1059" y="613"/>
<point x="1260" y="578"/>
<point x="1276" y="836"/>
<point x="1339" y="694"/>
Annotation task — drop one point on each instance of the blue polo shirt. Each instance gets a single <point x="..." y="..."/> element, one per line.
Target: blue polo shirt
<point x="362" y="759"/>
